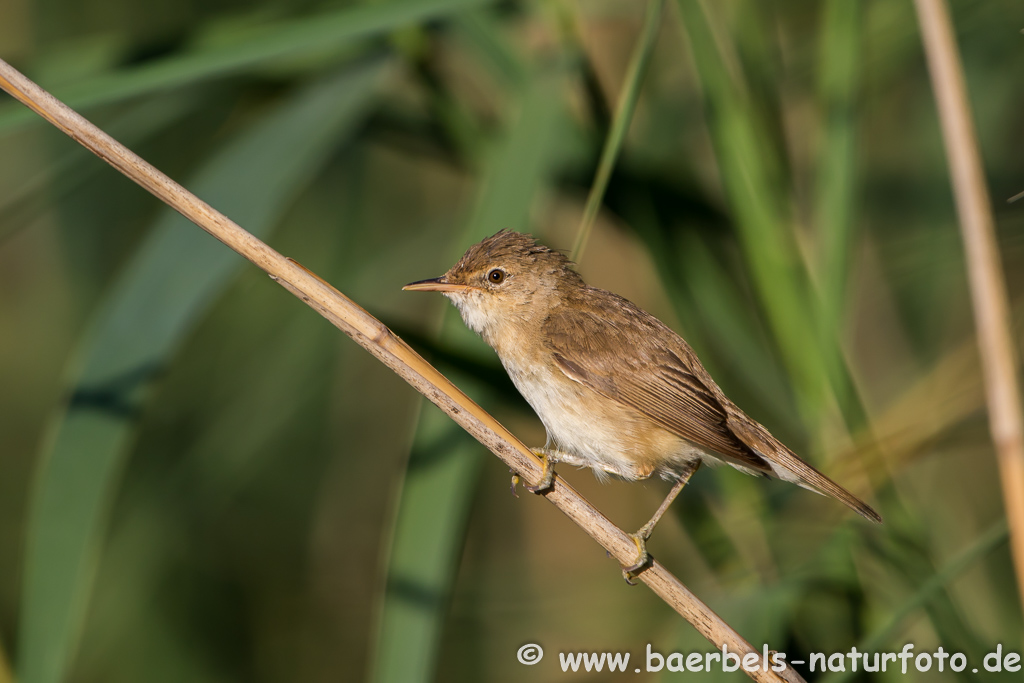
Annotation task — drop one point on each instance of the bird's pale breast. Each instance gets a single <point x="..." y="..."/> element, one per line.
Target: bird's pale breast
<point x="596" y="431"/>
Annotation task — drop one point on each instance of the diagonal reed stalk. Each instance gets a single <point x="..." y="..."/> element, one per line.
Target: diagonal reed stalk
<point x="984" y="268"/>
<point x="384" y="345"/>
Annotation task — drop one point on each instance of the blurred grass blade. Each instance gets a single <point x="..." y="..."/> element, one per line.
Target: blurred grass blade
<point x="729" y="329"/>
<point x="930" y="588"/>
<point x="155" y="303"/>
<point x="426" y="544"/>
<point x="286" y="38"/>
<point x="483" y="32"/>
<point x="620" y="122"/>
<point x="837" y="162"/>
<point x="73" y="167"/>
<point x="985" y="543"/>
<point x="440" y="481"/>
<point x="836" y="193"/>
<point x="757" y="195"/>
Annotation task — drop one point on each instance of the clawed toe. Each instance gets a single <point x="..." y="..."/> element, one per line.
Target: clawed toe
<point x="546" y="483"/>
<point x="643" y="560"/>
<point x="547" y="477"/>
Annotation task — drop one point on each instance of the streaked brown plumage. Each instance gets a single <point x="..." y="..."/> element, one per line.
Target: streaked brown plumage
<point x="616" y="389"/>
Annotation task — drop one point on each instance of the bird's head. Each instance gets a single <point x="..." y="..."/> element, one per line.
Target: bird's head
<point x="507" y="279"/>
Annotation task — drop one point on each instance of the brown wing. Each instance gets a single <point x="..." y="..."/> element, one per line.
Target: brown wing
<point x="597" y="347"/>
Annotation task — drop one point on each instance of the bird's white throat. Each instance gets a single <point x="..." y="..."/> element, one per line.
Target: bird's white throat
<point x="475" y="311"/>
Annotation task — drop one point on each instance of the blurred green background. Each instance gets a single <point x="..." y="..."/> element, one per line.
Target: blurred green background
<point x="202" y="480"/>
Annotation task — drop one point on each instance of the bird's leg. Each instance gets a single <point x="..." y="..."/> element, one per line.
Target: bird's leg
<point x="547" y="477"/>
<point x="641" y="536"/>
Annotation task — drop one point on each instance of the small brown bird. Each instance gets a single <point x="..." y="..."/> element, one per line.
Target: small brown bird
<point x="617" y="390"/>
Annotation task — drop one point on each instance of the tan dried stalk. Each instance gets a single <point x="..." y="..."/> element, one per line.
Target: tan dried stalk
<point x="376" y="338"/>
<point x="984" y="268"/>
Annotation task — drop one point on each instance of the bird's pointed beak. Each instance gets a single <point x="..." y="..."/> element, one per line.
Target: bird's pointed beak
<point x="438" y="284"/>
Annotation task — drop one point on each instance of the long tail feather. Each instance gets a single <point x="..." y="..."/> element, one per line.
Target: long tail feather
<point x="787" y="465"/>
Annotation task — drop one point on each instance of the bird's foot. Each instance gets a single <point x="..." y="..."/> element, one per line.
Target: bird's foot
<point x="643" y="560"/>
<point x="547" y="477"/>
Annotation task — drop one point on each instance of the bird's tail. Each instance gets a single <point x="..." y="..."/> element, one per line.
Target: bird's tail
<point x="787" y="465"/>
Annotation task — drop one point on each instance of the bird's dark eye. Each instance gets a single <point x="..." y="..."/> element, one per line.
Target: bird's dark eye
<point x="496" y="276"/>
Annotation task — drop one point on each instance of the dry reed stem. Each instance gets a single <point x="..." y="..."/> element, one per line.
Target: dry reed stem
<point x="376" y="338"/>
<point x="984" y="268"/>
